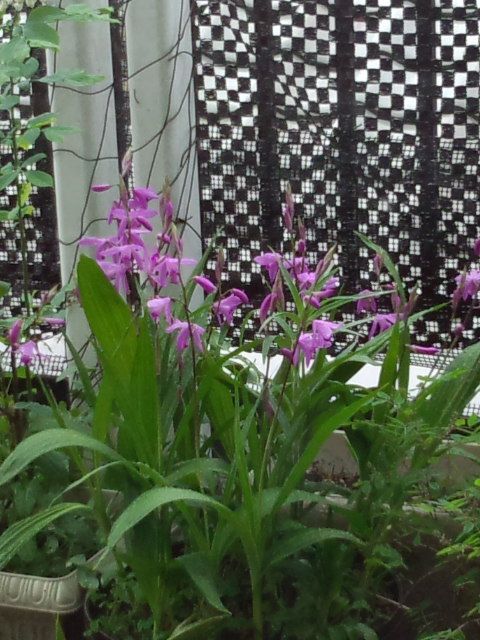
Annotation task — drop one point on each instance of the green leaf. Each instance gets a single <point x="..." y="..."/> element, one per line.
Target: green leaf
<point x="45" y="14"/>
<point x="9" y="215"/>
<point x="72" y="78"/>
<point x="322" y="430"/>
<point x="4" y="288"/>
<point x="13" y="539"/>
<point x="302" y="538"/>
<point x="59" y="635"/>
<point x="49" y="440"/>
<point x="8" y="102"/>
<point x="41" y="35"/>
<point x="27" y="139"/>
<point x="39" y="178"/>
<point x="7" y="179"/>
<point x="14" y="51"/>
<point x="200" y="571"/>
<point x="57" y="134"/>
<point x="32" y="160"/>
<point x="110" y="319"/>
<point x="88" y="389"/>
<point x="197" y="630"/>
<point x="197" y="467"/>
<point x="152" y="500"/>
<point x="43" y="120"/>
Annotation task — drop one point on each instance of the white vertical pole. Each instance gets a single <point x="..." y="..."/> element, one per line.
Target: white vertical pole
<point x="92" y="111"/>
<point x="162" y="104"/>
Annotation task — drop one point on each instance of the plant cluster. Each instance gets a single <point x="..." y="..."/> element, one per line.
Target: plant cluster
<point x="222" y="529"/>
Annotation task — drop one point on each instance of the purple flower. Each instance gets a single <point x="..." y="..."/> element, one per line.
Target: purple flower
<point x="166" y="211"/>
<point x="100" y="188"/>
<point x="117" y="273"/>
<point x="468" y="285"/>
<point x="367" y="304"/>
<point x="307" y="279"/>
<point x="160" y="307"/>
<point x="271" y="262"/>
<point x="225" y="308"/>
<point x="142" y="196"/>
<point x="206" y="284"/>
<point x="458" y="330"/>
<point x="476" y="247"/>
<point x="15" y="333"/>
<point x="54" y="322"/>
<point x="382" y="322"/>
<point x="268" y="305"/>
<point x="185" y="333"/>
<point x="165" y="269"/>
<point x="309" y="343"/>
<point x="28" y="350"/>
<point x="427" y="351"/>
<point x="329" y="290"/>
<point x="296" y="267"/>
<point x="240" y="294"/>
<point x="377" y="264"/>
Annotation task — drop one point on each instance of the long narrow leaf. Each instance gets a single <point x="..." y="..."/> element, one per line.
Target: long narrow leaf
<point x="49" y="440"/>
<point x="13" y="539"/>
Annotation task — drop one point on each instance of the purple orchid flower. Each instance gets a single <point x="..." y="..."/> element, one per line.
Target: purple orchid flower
<point x="382" y="322"/>
<point x="377" y="264"/>
<point x="468" y="285"/>
<point x="14" y="333"/>
<point x="271" y="262"/>
<point x="54" y="322"/>
<point x="100" y="188"/>
<point x="185" y="333"/>
<point x="368" y="305"/>
<point x="476" y="247"/>
<point x="226" y="307"/>
<point x="427" y="351"/>
<point x="206" y="284"/>
<point x="329" y="290"/>
<point x="160" y="307"/>
<point x="240" y="294"/>
<point x="117" y="273"/>
<point x="269" y="304"/>
<point x="142" y="196"/>
<point x="166" y="269"/>
<point x="28" y="351"/>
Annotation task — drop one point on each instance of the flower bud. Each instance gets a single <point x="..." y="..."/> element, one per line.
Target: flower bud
<point x="219" y="265"/>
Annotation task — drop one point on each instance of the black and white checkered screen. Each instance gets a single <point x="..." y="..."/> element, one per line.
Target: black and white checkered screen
<point x="369" y="108"/>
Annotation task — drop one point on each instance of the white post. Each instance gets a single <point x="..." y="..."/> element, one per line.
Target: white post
<point x="163" y="106"/>
<point x="92" y="111"/>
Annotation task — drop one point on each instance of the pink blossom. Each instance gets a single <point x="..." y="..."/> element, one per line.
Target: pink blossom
<point x="100" y="188"/>
<point x="271" y="262"/>
<point x="28" y="350"/>
<point x="225" y="308"/>
<point x="185" y="333"/>
<point x="160" y="307"/>
<point x="368" y="304"/>
<point x="240" y="294"/>
<point x="54" y="322"/>
<point x="296" y="266"/>
<point x="329" y="290"/>
<point x="377" y="264"/>
<point x="268" y="305"/>
<point x="476" y="247"/>
<point x="166" y="269"/>
<point x="206" y="284"/>
<point x="382" y="322"/>
<point x="142" y="196"/>
<point x="309" y="343"/>
<point x="117" y="273"/>
<point x="468" y="285"/>
<point x="427" y="351"/>
<point x="15" y="333"/>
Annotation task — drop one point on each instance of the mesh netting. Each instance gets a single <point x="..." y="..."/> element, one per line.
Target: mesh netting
<point x="42" y="247"/>
<point x="369" y="108"/>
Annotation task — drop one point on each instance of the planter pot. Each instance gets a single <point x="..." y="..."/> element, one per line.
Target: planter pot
<point x="337" y="461"/>
<point x="30" y="605"/>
